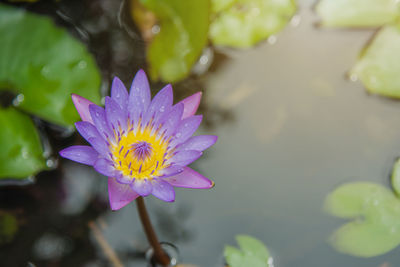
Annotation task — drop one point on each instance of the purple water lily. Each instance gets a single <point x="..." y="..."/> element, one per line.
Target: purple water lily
<point x="142" y="145"/>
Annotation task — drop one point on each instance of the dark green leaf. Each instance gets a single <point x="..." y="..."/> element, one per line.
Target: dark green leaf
<point x="45" y="65"/>
<point x="21" y="153"/>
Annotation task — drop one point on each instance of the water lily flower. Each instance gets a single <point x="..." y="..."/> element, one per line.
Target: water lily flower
<point x="142" y="145"/>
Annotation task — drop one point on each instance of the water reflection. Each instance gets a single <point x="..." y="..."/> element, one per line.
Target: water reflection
<point x="172" y="222"/>
<point x="45" y="234"/>
<point x="51" y="246"/>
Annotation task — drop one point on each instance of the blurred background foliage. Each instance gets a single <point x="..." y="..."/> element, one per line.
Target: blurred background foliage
<point x="244" y="23"/>
<point x="8" y="227"/>
<point x="177" y="31"/>
<point x="378" y="65"/>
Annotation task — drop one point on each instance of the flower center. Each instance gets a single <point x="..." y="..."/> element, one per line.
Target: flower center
<point x="142" y="150"/>
<point x="140" y="153"/>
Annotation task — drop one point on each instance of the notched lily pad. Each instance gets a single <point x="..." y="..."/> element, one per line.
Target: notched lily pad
<point x="183" y="29"/>
<point x="244" y="23"/>
<point x="379" y="64"/>
<point x="357" y="13"/>
<point x="252" y="253"/>
<point x="375" y="214"/>
<point x="45" y="65"/>
<point x="21" y="153"/>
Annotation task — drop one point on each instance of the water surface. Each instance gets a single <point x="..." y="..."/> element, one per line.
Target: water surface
<point x="291" y="128"/>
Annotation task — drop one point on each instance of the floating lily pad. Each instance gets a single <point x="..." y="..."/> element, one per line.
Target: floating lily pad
<point x="375" y="214"/>
<point x="252" y="253"/>
<point x="21" y="153"/>
<point x="44" y="64"/>
<point x="396" y="177"/>
<point x="182" y="35"/>
<point x="379" y="64"/>
<point x="357" y="13"/>
<point x="244" y="23"/>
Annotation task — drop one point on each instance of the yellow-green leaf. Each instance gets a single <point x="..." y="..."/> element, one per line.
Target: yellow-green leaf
<point x="357" y="13"/>
<point x="181" y="38"/>
<point x="252" y="253"/>
<point x="244" y="23"/>
<point x="396" y="177"/>
<point x="379" y="64"/>
<point x="374" y="212"/>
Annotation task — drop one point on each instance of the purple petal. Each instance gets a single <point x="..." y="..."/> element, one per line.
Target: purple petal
<point x="199" y="143"/>
<point x="82" y="154"/>
<point x="119" y="93"/>
<point x="100" y="145"/>
<point x="171" y="170"/>
<point x="139" y="95"/>
<point x="184" y="158"/>
<point x="82" y="106"/>
<point x="106" y="168"/>
<point x="100" y="121"/>
<point x="87" y="130"/>
<point x="142" y="186"/>
<point x="190" y="179"/>
<point x="116" y="118"/>
<point x="163" y="190"/>
<point x="160" y="105"/>
<point x="186" y="128"/>
<point x="125" y="179"/>
<point x="171" y="120"/>
<point x="120" y="194"/>
<point x="191" y="104"/>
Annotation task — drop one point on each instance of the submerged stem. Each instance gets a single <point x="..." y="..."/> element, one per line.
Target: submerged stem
<point x="159" y="254"/>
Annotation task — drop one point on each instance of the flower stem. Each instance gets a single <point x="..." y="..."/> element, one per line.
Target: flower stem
<point x="159" y="254"/>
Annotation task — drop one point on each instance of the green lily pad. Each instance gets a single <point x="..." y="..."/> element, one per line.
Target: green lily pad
<point x="244" y="23"/>
<point x="21" y="153"/>
<point x="379" y="64"/>
<point x="375" y="213"/>
<point x="396" y="177"/>
<point x="252" y="253"/>
<point x="44" y="64"/>
<point x="357" y="13"/>
<point x="182" y="37"/>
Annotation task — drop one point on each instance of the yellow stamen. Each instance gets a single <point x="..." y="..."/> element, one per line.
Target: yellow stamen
<point x="139" y="153"/>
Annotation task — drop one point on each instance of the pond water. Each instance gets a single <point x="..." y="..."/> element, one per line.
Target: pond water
<point x="291" y="128"/>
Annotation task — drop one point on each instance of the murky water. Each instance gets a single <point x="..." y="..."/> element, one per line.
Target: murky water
<point x="291" y="128"/>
